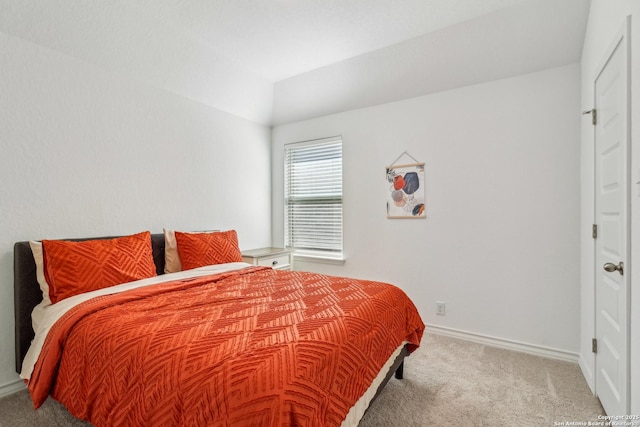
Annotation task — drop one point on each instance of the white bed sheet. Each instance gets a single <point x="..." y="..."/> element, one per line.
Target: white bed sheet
<point x="357" y="411"/>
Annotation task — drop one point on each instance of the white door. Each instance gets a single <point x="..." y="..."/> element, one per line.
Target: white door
<point x="612" y="218"/>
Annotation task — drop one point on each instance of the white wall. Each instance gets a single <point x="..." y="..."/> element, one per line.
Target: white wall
<point x="88" y="152"/>
<point x="500" y="242"/>
<point x="606" y="19"/>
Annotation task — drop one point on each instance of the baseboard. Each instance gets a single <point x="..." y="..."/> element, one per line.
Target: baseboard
<point x="12" y="387"/>
<point x="536" y="350"/>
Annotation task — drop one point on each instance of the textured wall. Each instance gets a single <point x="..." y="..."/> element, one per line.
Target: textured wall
<point x="500" y="242"/>
<point x="88" y="152"/>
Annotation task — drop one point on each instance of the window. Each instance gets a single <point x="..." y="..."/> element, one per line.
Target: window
<point x="313" y="196"/>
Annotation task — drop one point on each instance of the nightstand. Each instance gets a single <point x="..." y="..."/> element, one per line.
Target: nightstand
<point x="278" y="258"/>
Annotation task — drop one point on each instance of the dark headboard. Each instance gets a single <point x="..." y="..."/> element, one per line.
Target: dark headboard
<point x="27" y="294"/>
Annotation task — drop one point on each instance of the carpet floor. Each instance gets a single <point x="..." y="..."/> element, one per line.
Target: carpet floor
<point x="451" y="382"/>
<point x="447" y="382"/>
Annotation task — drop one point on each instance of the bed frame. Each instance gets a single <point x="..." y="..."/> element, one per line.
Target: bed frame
<point x="27" y="295"/>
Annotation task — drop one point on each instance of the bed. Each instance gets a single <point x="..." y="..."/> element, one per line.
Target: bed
<point x="233" y="344"/>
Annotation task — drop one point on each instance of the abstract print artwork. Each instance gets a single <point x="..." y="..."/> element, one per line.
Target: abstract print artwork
<point x="406" y="194"/>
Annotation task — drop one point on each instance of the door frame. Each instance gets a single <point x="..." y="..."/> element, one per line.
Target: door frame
<point x="622" y="39"/>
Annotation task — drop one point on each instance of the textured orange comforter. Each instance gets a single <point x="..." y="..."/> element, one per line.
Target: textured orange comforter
<point x="254" y="347"/>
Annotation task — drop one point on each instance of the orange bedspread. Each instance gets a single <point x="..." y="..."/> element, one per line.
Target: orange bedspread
<point x="254" y="347"/>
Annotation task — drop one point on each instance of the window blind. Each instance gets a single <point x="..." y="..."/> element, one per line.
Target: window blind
<point x="313" y="195"/>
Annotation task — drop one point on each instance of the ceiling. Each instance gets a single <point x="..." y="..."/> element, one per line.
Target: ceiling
<point x="520" y="39"/>
<point x="278" y="39"/>
<point x="274" y="39"/>
<point x="277" y="61"/>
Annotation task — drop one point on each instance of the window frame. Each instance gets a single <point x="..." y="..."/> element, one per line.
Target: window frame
<point x="314" y="196"/>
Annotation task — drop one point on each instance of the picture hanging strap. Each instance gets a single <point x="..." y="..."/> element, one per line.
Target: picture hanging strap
<point x="404" y="153"/>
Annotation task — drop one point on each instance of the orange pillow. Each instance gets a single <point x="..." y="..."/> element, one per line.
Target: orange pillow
<point x="72" y="268"/>
<point x="200" y="249"/>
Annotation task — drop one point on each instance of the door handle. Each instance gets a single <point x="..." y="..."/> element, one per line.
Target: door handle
<point x="610" y="267"/>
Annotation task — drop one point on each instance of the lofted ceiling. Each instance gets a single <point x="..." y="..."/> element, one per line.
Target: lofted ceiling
<point x="275" y="39"/>
<point x="227" y="52"/>
<point x="279" y="39"/>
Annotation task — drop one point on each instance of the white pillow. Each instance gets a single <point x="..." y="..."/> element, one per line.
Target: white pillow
<point x="36" y="249"/>
<point x="172" y="262"/>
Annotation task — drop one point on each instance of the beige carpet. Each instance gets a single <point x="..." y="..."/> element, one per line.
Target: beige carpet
<point x="450" y="382"/>
<point x="447" y="382"/>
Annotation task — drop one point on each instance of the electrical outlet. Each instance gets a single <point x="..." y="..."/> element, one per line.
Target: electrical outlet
<point x="440" y="308"/>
